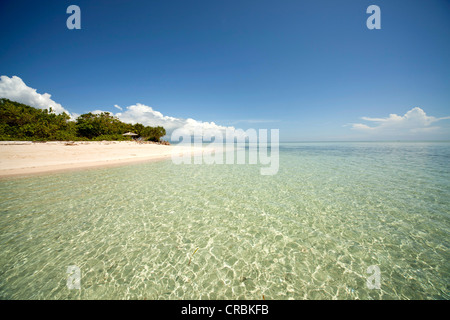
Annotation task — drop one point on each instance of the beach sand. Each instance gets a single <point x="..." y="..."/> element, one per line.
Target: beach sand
<point x="26" y="158"/>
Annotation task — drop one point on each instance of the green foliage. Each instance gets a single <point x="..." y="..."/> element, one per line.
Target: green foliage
<point x="111" y="137"/>
<point x="21" y="122"/>
<point x="149" y="133"/>
<point x="154" y="133"/>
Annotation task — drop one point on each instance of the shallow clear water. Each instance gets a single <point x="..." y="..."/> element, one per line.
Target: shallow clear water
<point x="308" y="232"/>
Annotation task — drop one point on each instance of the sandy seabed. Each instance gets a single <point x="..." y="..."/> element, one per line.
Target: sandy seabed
<point x="26" y="157"/>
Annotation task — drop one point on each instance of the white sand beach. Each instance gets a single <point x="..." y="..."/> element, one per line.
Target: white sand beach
<point x="26" y="157"/>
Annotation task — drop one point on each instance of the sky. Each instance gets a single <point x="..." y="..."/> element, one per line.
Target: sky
<point x="310" y="68"/>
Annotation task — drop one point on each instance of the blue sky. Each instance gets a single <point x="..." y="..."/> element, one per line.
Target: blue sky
<point x="309" y="68"/>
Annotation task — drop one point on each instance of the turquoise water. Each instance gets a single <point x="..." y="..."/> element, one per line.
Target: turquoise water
<point x="308" y="232"/>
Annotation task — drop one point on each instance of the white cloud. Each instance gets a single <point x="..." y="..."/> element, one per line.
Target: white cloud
<point x="16" y="90"/>
<point x="361" y="126"/>
<point x="414" y="122"/>
<point x="140" y="113"/>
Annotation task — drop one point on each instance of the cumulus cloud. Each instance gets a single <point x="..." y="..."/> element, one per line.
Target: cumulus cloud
<point x="16" y="90"/>
<point x="414" y="122"/>
<point x="140" y="113"/>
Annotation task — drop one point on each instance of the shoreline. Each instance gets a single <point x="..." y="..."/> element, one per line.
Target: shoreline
<point x="26" y="158"/>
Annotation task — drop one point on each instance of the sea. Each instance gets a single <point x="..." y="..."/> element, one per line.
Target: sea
<point x="339" y="220"/>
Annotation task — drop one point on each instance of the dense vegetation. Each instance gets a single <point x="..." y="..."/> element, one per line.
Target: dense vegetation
<point x="21" y="122"/>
